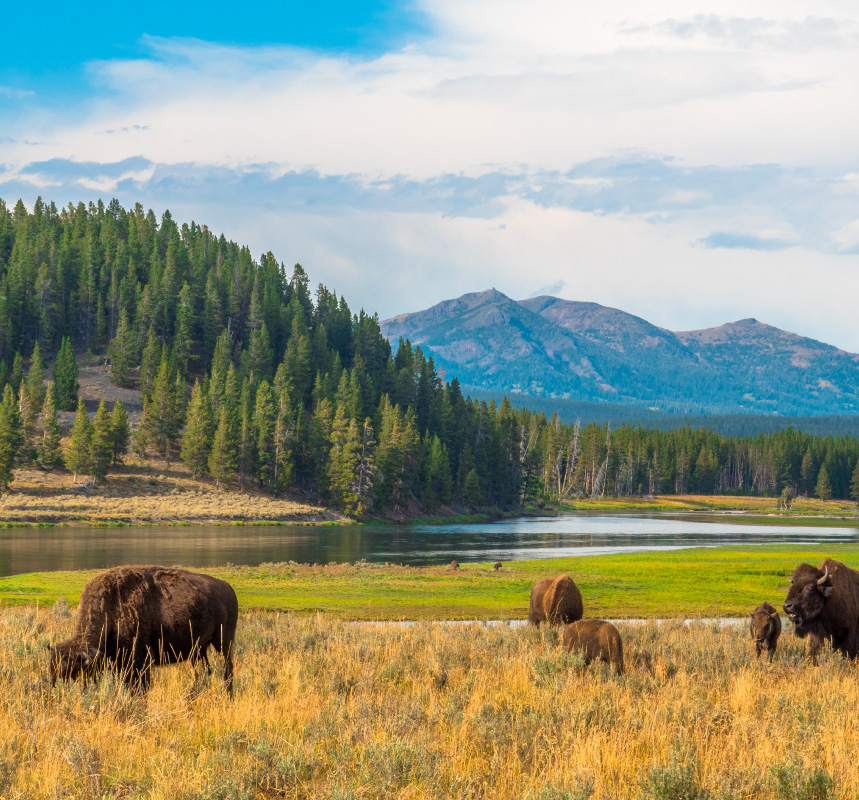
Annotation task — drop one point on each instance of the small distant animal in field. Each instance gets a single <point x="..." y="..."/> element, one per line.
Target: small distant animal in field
<point x="497" y="566"/>
<point x="765" y="627"/>
<point x="597" y="640"/>
<point x="454" y="564"/>
<point x="134" y="618"/>
<point x="556" y="601"/>
<point x="823" y="605"/>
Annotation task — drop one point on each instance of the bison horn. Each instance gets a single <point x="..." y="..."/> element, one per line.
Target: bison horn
<point x="825" y="579"/>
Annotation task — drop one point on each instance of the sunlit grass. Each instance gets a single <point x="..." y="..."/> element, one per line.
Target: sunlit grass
<point x="800" y="507"/>
<point x="700" y="582"/>
<point x="327" y="709"/>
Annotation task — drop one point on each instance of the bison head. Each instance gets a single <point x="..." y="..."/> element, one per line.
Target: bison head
<point x="69" y="660"/>
<point x="809" y="590"/>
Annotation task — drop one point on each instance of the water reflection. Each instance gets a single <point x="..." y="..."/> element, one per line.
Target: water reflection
<point x="29" y="550"/>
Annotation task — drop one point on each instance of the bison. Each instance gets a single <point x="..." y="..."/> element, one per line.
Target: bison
<point x="765" y="627"/>
<point x="598" y="640"/>
<point x="131" y="618"/>
<point x="556" y="601"/>
<point x="823" y="604"/>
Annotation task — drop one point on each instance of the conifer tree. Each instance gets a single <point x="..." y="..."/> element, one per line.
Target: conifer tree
<point x="78" y="457"/>
<point x="184" y="340"/>
<point x="101" y="444"/>
<point x="265" y="419"/>
<point x="123" y="349"/>
<point x="471" y="495"/>
<point x="197" y="440"/>
<point x="283" y="435"/>
<point x="10" y="437"/>
<point x="49" y="455"/>
<point x="121" y="431"/>
<point x="319" y="445"/>
<point x="364" y="479"/>
<point x="27" y="417"/>
<point x="36" y="379"/>
<point x="438" y="480"/>
<point x="247" y="434"/>
<point x="165" y="409"/>
<point x="854" y="483"/>
<point x="150" y="362"/>
<point x="343" y="461"/>
<point x="824" y="488"/>
<point x="223" y="460"/>
<point x="16" y="376"/>
<point x="66" y="385"/>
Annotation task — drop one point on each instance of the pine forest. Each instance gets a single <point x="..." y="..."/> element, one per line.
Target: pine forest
<point x="250" y="377"/>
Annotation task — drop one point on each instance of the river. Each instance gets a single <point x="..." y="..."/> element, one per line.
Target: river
<point x="40" y="549"/>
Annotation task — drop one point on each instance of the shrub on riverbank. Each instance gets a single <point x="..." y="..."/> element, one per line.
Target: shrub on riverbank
<point x="331" y="710"/>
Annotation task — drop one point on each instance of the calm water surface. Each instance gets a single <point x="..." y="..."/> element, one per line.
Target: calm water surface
<point x="37" y="549"/>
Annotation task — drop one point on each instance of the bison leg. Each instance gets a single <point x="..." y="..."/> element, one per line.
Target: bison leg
<point x="770" y="654"/>
<point x="815" y="644"/>
<point x="758" y="649"/>
<point x="200" y="653"/>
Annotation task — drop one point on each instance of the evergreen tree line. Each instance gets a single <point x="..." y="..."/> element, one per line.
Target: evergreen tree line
<point x="251" y="379"/>
<point x="30" y="434"/>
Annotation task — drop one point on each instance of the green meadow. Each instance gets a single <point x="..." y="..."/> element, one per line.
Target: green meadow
<point x="699" y="582"/>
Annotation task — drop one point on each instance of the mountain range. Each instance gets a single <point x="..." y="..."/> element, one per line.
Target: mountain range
<point x="549" y="347"/>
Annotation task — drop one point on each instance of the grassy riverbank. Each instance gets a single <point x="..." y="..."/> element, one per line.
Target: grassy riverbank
<point x="337" y="712"/>
<point x="759" y="507"/>
<point x="700" y="582"/>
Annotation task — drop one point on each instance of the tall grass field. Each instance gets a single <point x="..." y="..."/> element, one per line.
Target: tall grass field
<point x="331" y="709"/>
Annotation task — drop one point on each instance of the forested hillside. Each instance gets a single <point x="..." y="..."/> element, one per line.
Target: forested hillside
<point x="248" y="376"/>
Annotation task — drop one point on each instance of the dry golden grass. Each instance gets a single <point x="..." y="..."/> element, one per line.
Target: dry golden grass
<point x="801" y="506"/>
<point x="143" y="492"/>
<point x="325" y="709"/>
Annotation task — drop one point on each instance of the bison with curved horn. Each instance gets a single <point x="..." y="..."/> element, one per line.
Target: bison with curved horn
<point x="823" y="604"/>
<point x="131" y="618"/>
<point x="556" y="601"/>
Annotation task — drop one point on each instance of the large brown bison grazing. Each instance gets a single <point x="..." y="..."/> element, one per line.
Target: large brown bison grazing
<point x="823" y="603"/>
<point x="597" y="640"/>
<point x="765" y="627"/>
<point x="131" y="618"/>
<point x="556" y="601"/>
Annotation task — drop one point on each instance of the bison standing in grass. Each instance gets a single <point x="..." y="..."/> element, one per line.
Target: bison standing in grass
<point x="765" y="627"/>
<point x="131" y="618"/>
<point x="597" y="640"/>
<point x="823" y="603"/>
<point x="556" y="601"/>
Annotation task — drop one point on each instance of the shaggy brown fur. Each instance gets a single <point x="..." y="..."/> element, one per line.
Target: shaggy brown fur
<point x="823" y="604"/>
<point x="498" y="566"/>
<point x="598" y="640"/>
<point x="131" y="618"/>
<point x="765" y="627"/>
<point x="556" y="601"/>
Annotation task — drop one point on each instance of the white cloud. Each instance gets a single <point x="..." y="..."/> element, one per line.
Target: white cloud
<point x="379" y="175"/>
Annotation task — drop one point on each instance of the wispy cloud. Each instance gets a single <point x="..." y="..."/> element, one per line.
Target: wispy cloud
<point x="623" y="152"/>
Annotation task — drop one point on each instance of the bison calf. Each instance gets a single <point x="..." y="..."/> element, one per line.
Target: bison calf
<point x="131" y="618"/>
<point x="765" y="627"/>
<point x="556" y="601"/>
<point x="597" y="640"/>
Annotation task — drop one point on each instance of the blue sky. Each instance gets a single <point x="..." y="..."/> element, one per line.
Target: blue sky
<point x="49" y="53"/>
<point x="690" y="162"/>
